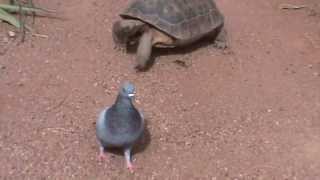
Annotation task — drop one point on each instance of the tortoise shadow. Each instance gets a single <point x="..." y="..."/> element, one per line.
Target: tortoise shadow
<point x="139" y="147"/>
<point x="158" y="52"/>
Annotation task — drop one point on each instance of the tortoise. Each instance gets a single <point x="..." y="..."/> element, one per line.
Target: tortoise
<point x="168" y="24"/>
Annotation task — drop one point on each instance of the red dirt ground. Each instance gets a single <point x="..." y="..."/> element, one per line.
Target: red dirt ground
<point x="252" y="112"/>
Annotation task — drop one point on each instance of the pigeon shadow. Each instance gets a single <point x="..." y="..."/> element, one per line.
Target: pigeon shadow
<point x="143" y="142"/>
<point x="140" y="146"/>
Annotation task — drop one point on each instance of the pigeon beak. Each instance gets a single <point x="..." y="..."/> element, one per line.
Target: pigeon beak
<point x="131" y="95"/>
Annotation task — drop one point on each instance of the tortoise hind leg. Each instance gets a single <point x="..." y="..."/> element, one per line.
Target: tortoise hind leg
<point x="144" y="50"/>
<point x="221" y="41"/>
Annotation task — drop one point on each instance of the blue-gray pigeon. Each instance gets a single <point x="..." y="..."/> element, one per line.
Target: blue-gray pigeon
<point x="120" y="125"/>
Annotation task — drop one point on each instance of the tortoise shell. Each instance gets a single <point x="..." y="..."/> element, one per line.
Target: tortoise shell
<point x="181" y="19"/>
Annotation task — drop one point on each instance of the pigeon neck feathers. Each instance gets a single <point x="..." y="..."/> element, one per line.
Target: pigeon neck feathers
<point x="123" y="102"/>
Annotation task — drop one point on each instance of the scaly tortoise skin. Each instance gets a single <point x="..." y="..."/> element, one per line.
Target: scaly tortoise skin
<point x="168" y="23"/>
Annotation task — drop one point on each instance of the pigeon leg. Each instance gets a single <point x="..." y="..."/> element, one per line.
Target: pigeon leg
<point x="102" y="156"/>
<point x="127" y="154"/>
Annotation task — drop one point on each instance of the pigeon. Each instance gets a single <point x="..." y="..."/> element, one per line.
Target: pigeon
<point x="121" y="125"/>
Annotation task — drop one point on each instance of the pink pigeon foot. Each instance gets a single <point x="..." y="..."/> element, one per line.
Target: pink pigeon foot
<point x="102" y="156"/>
<point x="130" y="167"/>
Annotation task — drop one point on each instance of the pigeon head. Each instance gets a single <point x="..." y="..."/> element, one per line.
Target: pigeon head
<point x="128" y="90"/>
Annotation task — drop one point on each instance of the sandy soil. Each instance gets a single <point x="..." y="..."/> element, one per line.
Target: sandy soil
<point x="251" y="112"/>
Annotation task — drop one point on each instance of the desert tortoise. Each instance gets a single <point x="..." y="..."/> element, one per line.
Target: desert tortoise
<point x="168" y="23"/>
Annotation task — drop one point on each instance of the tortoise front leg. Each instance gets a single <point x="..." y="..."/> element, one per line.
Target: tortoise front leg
<point x="144" y="50"/>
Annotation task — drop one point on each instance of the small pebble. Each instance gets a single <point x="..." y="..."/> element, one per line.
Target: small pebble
<point x="11" y="34"/>
<point x="5" y="39"/>
<point x="20" y="84"/>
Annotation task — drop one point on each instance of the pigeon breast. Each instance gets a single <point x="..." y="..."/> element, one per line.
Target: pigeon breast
<point x="120" y="125"/>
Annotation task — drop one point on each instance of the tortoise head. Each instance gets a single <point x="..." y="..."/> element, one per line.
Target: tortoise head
<point x="125" y="31"/>
<point x="120" y="33"/>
